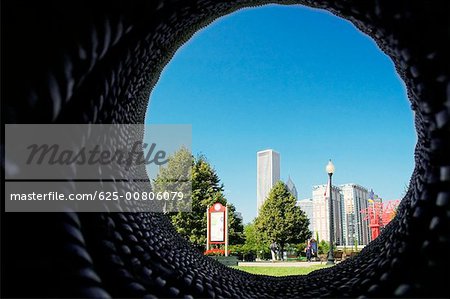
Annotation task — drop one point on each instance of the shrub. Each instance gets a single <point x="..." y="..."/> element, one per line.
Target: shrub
<point x="324" y="247"/>
<point x="215" y="252"/>
<point x="300" y="249"/>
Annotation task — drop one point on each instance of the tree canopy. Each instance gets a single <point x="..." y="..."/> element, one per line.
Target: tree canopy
<point x="280" y="220"/>
<point x="206" y="190"/>
<point x="254" y="240"/>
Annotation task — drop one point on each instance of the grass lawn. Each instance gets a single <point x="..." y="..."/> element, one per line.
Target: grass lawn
<point x="280" y="271"/>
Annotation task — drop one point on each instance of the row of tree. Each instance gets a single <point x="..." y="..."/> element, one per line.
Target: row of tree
<point x="206" y="190"/>
<point x="279" y="220"/>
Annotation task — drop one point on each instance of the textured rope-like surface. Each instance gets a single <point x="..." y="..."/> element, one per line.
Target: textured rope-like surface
<point x="82" y="62"/>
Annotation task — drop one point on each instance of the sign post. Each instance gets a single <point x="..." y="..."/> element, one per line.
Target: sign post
<point x="217" y="226"/>
<point x="226" y="231"/>
<point x="207" y="229"/>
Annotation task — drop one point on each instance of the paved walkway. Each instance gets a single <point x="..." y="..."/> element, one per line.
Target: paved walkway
<point x="279" y="264"/>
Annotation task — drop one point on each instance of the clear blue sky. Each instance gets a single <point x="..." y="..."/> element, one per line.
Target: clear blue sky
<point x="300" y="81"/>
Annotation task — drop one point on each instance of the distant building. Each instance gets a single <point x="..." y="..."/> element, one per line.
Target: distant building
<point x="291" y="187"/>
<point x="307" y="206"/>
<point x="321" y="216"/>
<point x="268" y="173"/>
<point x="355" y="227"/>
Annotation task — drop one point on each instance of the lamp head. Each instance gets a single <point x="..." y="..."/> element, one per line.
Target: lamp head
<point x="330" y="167"/>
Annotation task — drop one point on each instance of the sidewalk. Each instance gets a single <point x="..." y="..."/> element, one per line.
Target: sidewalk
<point x="279" y="264"/>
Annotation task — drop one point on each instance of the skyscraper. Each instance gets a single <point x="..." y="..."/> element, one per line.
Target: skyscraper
<point x="307" y="206"/>
<point x="355" y="226"/>
<point x="291" y="187"/>
<point x="321" y="215"/>
<point x="267" y="174"/>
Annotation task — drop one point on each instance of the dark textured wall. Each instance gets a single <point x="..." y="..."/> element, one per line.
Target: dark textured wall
<point x="83" y="62"/>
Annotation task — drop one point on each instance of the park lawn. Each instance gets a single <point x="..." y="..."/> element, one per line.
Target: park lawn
<point x="280" y="271"/>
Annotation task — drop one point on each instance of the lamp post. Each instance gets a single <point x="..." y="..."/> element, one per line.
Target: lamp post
<point x="330" y="171"/>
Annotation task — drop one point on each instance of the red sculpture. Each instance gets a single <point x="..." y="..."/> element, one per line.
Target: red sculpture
<point x="379" y="214"/>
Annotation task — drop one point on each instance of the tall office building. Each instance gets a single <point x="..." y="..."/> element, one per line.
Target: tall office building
<point x="321" y="215"/>
<point x="267" y="174"/>
<point x="291" y="187"/>
<point x="307" y="206"/>
<point x="355" y="227"/>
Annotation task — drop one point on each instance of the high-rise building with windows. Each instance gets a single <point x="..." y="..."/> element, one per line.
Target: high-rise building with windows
<point x="267" y="174"/>
<point x="321" y="215"/>
<point x="355" y="225"/>
<point x="307" y="206"/>
<point x="291" y="187"/>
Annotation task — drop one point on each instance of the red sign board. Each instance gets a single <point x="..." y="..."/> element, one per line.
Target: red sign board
<point x="217" y="224"/>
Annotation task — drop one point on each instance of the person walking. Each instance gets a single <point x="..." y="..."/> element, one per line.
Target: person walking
<point x="273" y="250"/>
<point x="308" y="250"/>
<point x="314" y="248"/>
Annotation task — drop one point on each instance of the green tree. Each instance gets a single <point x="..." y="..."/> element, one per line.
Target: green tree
<point x="206" y="190"/>
<point x="280" y="220"/>
<point x="255" y="242"/>
<point x="323" y="247"/>
<point x="176" y="177"/>
<point x="235" y="227"/>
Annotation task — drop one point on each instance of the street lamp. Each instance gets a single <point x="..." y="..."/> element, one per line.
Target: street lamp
<point x="330" y="171"/>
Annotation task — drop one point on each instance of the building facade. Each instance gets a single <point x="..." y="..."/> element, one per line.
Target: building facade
<point x="307" y="206"/>
<point x="355" y="226"/>
<point x="267" y="174"/>
<point x="321" y="216"/>
<point x="291" y="187"/>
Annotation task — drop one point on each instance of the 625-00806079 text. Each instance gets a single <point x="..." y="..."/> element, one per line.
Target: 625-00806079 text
<point x="99" y="195"/>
